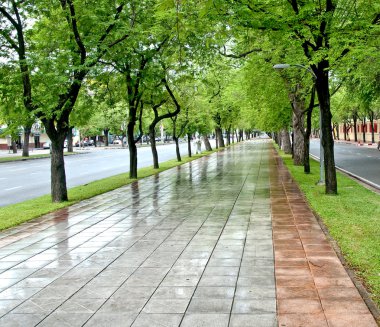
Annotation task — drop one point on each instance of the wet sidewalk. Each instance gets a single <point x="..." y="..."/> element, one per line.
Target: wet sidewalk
<point x="192" y="246"/>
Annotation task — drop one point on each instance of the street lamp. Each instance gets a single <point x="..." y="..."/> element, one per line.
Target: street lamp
<point x="321" y="155"/>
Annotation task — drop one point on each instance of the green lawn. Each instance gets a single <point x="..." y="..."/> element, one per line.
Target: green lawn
<point x="352" y="218"/>
<point x="32" y="156"/>
<point x="16" y="214"/>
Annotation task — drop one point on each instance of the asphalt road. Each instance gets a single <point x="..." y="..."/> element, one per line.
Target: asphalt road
<point x="25" y="180"/>
<point x="360" y="161"/>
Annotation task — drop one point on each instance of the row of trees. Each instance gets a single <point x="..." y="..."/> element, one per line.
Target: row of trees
<point x="195" y="65"/>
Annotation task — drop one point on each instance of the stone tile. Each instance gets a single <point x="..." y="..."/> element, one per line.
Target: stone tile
<point x="18" y="293"/>
<point x="91" y="292"/>
<point x="221" y="292"/>
<point x="77" y="305"/>
<point x="8" y="305"/>
<point x="21" y="320"/>
<point x="58" y="319"/>
<point x="256" y="280"/>
<point x="181" y="280"/>
<point x="221" y="271"/>
<point x="255" y="292"/>
<point x="254" y="306"/>
<point x="256" y="320"/>
<point x="344" y="305"/>
<point x="107" y="319"/>
<point x="173" y="292"/>
<point x="205" y="320"/>
<point x="157" y="320"/>
<point x="304" y="319"/>
<point x="351" y="319"/>
<point x="218" y="281"/>
<point x="37" y="306"/>
<point x="126" y="305"/>
<point x="210" y="305"/>
<point x="296" y="293"/>
<point x="134" y="292"/>
<point x="157" y="305"/>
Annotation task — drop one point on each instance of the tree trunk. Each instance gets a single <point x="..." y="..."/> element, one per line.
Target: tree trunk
<point x="241" y="135"/>
<point x="219" y="136"/>
<point x="207" y="142"/>
<point x="58" y="175"/>
<point x="298" y="145"/>
<point x="285" y="141"/>
<point x="228" y="133"/>
<point x="70" y="147"/>
<point x="132" y="149"/>
<point x="189" y="144"/>
<point x="25" y="147"/>
<point x="216" y="140"/>
<point x="178" y="153"/>
<point x="106" y="132"/>
<point x="277" y="138"/>
<point x="306" y="142"/>
<point x="364" y="125"/>
<point x="14" y="146"/>
<point x="372" y="131"/>
<point x="322" y="87"/>
<point x="355" y="128"/>
<point x="344" y="132"/>
<point x="152" y="137"/>
<point x="336" y="125"/>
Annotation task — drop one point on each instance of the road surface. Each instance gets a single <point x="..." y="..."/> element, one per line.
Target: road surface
<point x="360" y="161"/>
<point x="23" y="180"/>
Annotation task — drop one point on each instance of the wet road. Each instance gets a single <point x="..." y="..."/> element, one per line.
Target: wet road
<point x="360" y="161"/>
<point x="23" y="180"/>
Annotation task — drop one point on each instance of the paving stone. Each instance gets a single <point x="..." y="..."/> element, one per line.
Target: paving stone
<point x="157" y="320"/>
<point x="205" y="320"/>
<point x="256" y="320"/>
<point x="189" y="247"/>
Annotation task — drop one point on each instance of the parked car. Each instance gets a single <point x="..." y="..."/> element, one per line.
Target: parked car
<point x="46" y="145"/>
<point x="118" y="142"/>
<point x="83" y="143"/>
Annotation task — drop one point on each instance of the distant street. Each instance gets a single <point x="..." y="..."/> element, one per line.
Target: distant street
<point x="361" y="161"/>
<point x="25" y="180"/>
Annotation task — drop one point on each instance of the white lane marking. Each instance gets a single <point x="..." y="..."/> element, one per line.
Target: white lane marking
<point x="2" y="178"/>
<point x="12" y="188"/>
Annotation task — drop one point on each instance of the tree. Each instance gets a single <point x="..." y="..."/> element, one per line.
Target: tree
<point x="54" y="54"/>
<point x="325" y="32"/>
<point x="155" y="105"/>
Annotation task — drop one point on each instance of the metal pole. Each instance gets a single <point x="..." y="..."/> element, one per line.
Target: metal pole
<point x="321" y="153"/>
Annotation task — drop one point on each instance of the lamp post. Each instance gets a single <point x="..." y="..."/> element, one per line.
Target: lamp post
<point x="321" y="155"/>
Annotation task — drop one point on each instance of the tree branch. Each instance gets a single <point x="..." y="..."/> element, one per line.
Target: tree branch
<point x="171" y="94"/>
<point x="11" y="42"/>
<point x="74" y="27"/>
<point x="241" y="55"/>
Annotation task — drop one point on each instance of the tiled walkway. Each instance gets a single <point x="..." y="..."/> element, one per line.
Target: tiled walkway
<point x="313" y="288"/>
<point x="189" y="247"/>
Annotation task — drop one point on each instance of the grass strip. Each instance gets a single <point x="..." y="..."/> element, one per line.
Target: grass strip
<point x="15" y="214"/>
<point x="33" y="156"/>
<point x="352" y="218"/>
